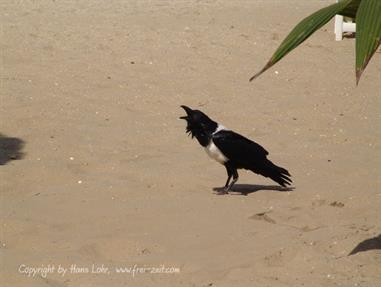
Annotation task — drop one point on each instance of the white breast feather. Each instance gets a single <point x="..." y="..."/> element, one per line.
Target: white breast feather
<point x="214" y="152"/>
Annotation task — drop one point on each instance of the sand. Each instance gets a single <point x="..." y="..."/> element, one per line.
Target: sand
<point x="99" y="173"/>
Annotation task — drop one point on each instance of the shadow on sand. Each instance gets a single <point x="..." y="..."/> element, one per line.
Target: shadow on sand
<point x="10" y="149"/>
<point x="245" y="189"/>
<point x="367" y="244"/>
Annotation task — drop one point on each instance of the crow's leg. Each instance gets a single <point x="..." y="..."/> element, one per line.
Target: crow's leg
<point x="235" y="178"/>
<point x="232" y="172"/>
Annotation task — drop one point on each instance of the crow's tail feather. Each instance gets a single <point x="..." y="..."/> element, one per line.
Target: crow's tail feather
<point x="276" y="173"/>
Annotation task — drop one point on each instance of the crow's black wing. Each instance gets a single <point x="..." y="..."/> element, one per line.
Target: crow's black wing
<point x="244" y="153"/>
<point x="239" y="149"/>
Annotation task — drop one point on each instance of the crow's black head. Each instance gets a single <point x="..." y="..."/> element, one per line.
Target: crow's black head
<point x="199" y="125"/>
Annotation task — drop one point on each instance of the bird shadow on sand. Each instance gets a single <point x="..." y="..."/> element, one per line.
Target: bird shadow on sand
<point x="10" y="149"/>
<point x="367" y="244"/>
<point x="246" y="189"/>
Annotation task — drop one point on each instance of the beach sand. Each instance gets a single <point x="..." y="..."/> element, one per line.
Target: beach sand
<point x="90" y="96"/>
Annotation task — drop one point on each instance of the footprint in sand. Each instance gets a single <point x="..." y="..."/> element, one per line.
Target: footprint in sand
<point x="263" y="216"/>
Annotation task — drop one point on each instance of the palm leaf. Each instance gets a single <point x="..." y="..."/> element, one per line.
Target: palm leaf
<point x="368" y="33"/>
<point x="307" y="27"/>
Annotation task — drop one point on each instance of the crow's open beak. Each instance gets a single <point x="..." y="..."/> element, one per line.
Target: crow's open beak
<point x="188" y="110"/>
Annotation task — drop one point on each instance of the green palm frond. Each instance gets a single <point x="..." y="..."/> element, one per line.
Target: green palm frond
<point x="368" y="25"/>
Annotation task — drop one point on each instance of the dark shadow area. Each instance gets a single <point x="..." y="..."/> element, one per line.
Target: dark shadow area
<point x="368" y="244"/>
<point x="245" y="189"/>
<point x="10" y="149"/>
<point x="349" y="35"/>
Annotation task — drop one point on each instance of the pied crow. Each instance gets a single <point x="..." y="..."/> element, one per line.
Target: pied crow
<point x="232" y="150"/>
